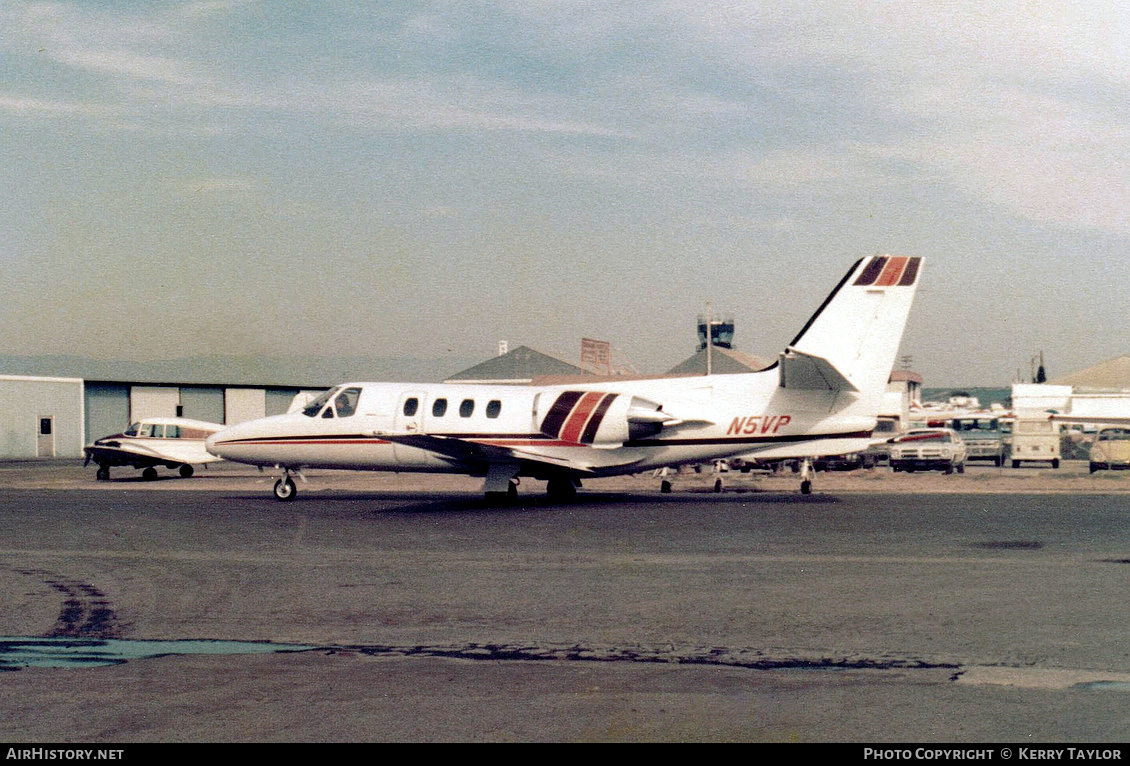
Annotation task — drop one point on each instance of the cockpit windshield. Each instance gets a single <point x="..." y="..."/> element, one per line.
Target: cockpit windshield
<point x="344" y="403"/>
<point x="312" y="409"/>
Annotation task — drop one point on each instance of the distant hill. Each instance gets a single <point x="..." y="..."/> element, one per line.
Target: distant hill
<point x="296" y="371"/>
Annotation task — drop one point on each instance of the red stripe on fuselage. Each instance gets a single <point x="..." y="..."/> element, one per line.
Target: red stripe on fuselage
<point x="575" y="425"/>
<point x="286" y="441"/>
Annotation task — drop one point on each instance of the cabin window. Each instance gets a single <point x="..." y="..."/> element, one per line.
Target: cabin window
<point x="494" y="407"/>
<point x="158" y="431"/>
<point x="411" y="405"/>
<point x="466" y="407"/>
<point x="144" y="430"/>
<point x="132" y="430"/>
<point x="439" y="407"/>
<point x="172" y="432"/>
<point x="346" y="402"/>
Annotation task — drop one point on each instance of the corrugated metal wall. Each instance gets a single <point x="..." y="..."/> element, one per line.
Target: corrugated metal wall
<point x="107" y="409"/>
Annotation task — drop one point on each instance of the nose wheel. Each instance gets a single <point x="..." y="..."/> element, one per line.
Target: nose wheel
<point x="285" y="489"/>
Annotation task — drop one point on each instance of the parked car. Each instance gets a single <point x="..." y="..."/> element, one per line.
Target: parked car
<point x="848" y="462"/>
<point x="928" y="449"/>
<point x="1111" y="449"/>
<point x="984" y="437"/>
<point x="886" y="429"/>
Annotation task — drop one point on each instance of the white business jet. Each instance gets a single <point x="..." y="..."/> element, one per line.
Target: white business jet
<point x="820" y="398"/>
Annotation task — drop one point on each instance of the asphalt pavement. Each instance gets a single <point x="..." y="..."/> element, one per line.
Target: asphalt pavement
<point x="415" y="614"/>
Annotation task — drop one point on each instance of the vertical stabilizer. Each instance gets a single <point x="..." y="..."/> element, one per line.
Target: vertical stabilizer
<point x="851" y="342"/>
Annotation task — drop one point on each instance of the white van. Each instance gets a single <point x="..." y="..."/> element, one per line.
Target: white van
<point x="1035" y="440"/>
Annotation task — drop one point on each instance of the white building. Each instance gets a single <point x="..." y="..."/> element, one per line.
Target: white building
<point x="41" y="417"/>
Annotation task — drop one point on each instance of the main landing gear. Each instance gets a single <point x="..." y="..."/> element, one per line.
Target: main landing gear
<point x="501" y="485"/>
<point x="805" y="469"/>
<point x="149" y="473"/>
<point x="806" y="476"/>
<point x="666" y="485"/>
<point x="562" y="488"/>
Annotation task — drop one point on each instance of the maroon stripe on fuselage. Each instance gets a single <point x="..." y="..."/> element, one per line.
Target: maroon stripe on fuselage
<point x="560" y="410"/>
<point x="597" y="416"/>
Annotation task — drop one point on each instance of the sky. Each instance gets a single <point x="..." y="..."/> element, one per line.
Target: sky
<point x="426" y="179"/>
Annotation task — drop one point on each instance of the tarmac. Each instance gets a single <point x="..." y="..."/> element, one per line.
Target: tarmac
<point x="981" y="607"/>
<point x="1071" y="477"/>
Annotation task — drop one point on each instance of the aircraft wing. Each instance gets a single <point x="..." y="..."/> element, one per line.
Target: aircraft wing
<point x="467" y="451"/>
<point x="144" y="453"/>
<point x="1108" y="420"/>
<point x="118" y="455"/>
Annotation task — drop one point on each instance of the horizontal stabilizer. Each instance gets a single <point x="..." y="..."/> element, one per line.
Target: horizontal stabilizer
<point x="814" y="448"/>
<point x="806" y="372"/>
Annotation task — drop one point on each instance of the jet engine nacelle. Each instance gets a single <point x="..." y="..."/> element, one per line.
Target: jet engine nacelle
<point x="598" y="418"/>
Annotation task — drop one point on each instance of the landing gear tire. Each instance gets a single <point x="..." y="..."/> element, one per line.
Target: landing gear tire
<point x="285" y="489"/>
<point x="186" y="471"/>
<point x="103" y="473"/>
<point x="665" y="487"/>
<point x="561" y="489"/>
<point x="508" y="497"/>
<point x="717" y="485"/>
<point x="149" y="474"/>
<point x="806" y="476"/>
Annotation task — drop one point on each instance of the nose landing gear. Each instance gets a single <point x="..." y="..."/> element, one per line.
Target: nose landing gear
<point x="285" y="488"/>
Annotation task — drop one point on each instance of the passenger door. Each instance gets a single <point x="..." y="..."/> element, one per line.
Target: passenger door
<point x="409" y="417"/>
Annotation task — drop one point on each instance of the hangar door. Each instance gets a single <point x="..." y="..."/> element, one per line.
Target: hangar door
<point x="202" y="403"/>
<point x="242" y="404"/>
<point x="153" y="402"/>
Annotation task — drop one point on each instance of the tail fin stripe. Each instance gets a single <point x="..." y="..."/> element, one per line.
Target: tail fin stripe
<point x="911" y="274"/>
<point x="871" y="272"/>
<point x="892" y="273"/>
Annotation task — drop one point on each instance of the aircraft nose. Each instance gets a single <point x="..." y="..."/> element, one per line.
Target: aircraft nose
<point x="211" y="443"/>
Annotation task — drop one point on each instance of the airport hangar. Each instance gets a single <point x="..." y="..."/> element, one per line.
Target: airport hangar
<point x="53" y="408"/>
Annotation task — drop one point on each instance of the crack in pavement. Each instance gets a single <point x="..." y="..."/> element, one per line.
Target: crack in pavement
<point x="754" y="659"/>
